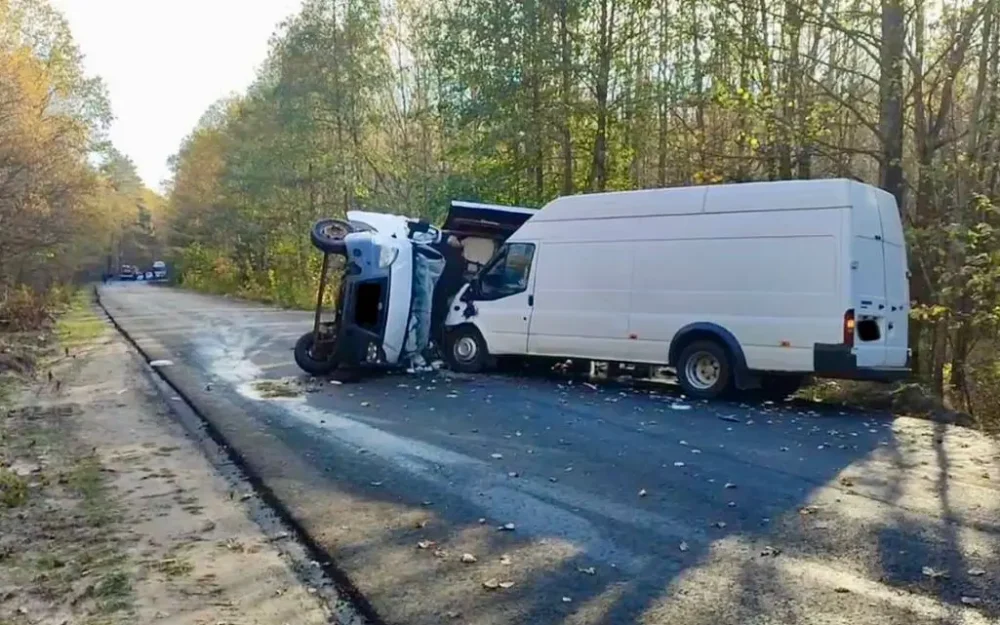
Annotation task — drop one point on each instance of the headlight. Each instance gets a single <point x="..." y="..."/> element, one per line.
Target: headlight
<point x="387" y="256"/>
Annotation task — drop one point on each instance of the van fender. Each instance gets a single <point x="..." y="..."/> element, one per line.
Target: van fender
<point x="704" y="330"/>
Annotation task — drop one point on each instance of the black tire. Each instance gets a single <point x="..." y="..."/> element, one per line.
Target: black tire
<point x="327" y="235"/>
<point x="704" y="370"/>
<point x="467" y="351"/>
<point x="307" y="362"/>
<point x="779" y="387"/>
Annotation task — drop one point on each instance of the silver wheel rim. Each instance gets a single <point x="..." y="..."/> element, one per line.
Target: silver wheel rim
<point x="702" y="370"/>
<point x="466" y="349"/>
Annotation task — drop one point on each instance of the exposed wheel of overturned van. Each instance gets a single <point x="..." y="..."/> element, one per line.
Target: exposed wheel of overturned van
<point x="467" y="351"/>
<point x="704" y="370"/>
<point x="327" y="235"/>
<point x="309" y="360"/>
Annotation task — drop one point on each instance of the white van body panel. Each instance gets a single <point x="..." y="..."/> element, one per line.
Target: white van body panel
<point x="617" y="275"/>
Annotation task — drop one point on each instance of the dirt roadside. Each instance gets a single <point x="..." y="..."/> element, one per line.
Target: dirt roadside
<point x="110" y="513"/>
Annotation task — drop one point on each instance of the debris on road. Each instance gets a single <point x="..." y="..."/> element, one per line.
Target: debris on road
<point x="567" y="599"/>
<point x="588" y="570"/>
<point x="719" y="524"/>
<point x="770" y="552"/>
<point x="496" y="456"/>
<point x="505" y="559"/>
<point x="729" y="418"/>
<point x="678" y="464"/>
<point x="933" y="573"/>
<point x="160" y="363"/>
<point x="493" y="584"/>
<point x="506" y="527"/>
<point x="683" y="546"/>
<point x="468" y="558"/>
<point x="680" y="407"/>
<point x="642" y="492"/>
<point x="425" y="544"/>
<point x="976" y="572"/>
<point x="971" y="600"/>
<point x="729" y="485"/>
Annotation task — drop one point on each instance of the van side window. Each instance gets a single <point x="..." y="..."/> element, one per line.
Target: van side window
<point x="508" y="273"/>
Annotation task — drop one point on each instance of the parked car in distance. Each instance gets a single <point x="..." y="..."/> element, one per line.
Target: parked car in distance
<point x="127" y="272"/>
<point x="751" y="285"/>
<point x="160" y="270"/>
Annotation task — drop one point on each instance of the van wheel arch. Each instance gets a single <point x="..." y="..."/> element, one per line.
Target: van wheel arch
<point x="707" y="331"/>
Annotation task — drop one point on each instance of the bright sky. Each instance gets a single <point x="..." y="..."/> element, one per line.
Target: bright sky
<point x="166" y="61"/>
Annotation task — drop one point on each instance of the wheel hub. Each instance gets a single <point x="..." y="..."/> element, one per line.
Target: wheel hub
<point x="466" y="349"/>
<point x="703" y="370"/>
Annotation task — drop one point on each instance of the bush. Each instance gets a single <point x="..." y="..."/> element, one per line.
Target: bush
<point x="24" y="310"/>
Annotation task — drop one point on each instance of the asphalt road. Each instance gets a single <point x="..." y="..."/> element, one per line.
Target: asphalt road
<point x="627" y="506"/>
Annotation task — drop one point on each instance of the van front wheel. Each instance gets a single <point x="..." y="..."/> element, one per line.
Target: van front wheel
<point x="467" y="350"/>
<point x="703" y="370"/>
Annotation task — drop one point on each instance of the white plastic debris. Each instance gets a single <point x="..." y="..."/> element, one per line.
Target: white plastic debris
<point x="160" y="363"/>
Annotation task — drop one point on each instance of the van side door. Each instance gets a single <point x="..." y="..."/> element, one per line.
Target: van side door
<point x="502" y="296"/>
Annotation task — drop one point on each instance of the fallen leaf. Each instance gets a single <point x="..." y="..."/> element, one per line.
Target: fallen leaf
<point x="506" y="527"/>
<point x="683" y="443"/>
<point x="977" y="572"/>
<point x="365" y="404"/>
<point x="496" y="456"/>
<point x="589" y="570"/>
<point x="684" y="547"/>
<point x="506" y="584"/>
<point x="468" y="558"/>
<point x="425" y="544"/>
<point x="642" y="492"/>
<point x="933" y="573"/>
<point x="491" y="584"/>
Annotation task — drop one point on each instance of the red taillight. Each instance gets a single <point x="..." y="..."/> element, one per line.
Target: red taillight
<point x="849" y="328"/>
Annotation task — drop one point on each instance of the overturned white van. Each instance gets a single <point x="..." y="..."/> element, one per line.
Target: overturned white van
<point x="742" y="285"/>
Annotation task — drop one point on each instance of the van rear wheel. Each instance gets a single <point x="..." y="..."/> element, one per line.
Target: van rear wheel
<point x="704" y="370"/>
<point x="467" y="350"/>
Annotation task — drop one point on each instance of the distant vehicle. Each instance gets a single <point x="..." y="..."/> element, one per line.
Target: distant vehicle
<point x="127" y="272"/>
<point x="149" y="275"/>
<point x="735" y="286"/>
<point x="160" y="270"/>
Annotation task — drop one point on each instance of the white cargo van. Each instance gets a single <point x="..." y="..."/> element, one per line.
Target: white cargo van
<point x="741" y="285"/>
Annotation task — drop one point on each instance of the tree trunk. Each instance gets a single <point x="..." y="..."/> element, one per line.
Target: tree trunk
<point x="599" y="166"/>
<point x="891" y="99"/>
<point x="566" y="76"/>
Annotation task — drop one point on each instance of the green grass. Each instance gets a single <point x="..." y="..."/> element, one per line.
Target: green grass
<point x="79" y="324"/>
<point x="113" y="592"/>
<point x="13" y="490"/>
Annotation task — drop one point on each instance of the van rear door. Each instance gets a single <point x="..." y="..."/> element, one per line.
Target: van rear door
<point x="897" y="288"/>
<point x="867" y="276"/>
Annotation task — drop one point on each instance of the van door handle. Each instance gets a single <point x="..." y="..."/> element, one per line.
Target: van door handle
<point x="531" y="300"/>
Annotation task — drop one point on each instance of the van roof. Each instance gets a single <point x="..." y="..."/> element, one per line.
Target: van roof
<point x="723" y="198"/>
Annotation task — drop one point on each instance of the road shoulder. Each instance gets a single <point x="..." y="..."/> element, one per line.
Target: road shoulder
<point x="111" y="512"/>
